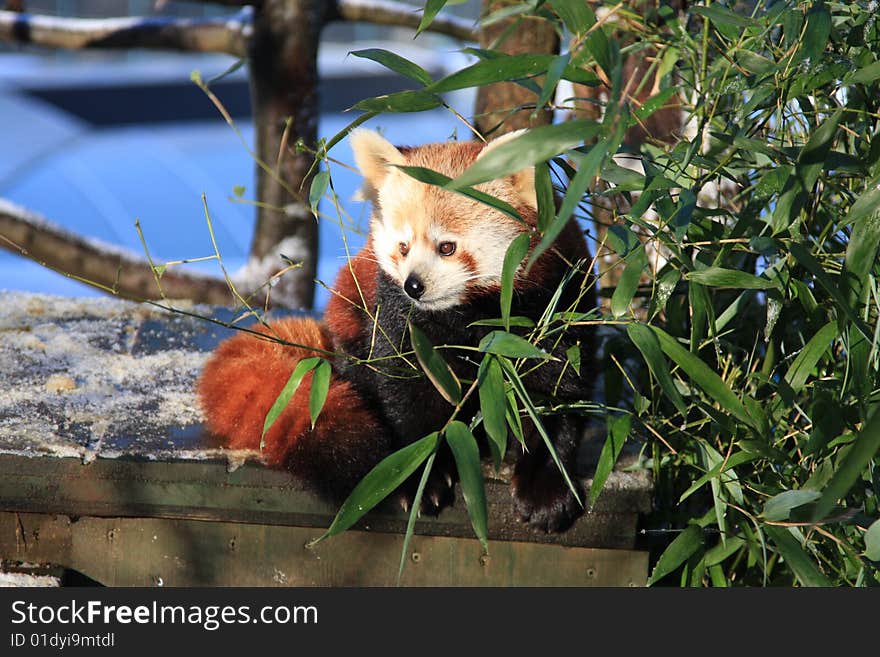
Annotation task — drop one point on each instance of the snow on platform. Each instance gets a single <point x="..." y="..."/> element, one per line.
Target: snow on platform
<point x="102" y="377"/>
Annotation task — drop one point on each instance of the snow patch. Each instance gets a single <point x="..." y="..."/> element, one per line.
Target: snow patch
<point x="24" y="580"/>
<point x="260" y="271"/>
<point x="75" y="385"/>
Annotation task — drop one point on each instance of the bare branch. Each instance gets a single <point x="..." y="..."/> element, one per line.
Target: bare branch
<point x="386" y="12"/>
<point x="228" y="35"/>
<point x="105" y="266"/>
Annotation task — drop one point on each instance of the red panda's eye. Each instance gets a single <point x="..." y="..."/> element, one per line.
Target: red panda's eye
<point x="446" y="248"/>
<point x="404" y="248"/>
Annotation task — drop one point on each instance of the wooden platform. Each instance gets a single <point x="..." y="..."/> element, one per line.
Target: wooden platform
<point x="104" y="470"/>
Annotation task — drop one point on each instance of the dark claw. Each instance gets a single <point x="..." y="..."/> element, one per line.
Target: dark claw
<point x="438" y="494"/>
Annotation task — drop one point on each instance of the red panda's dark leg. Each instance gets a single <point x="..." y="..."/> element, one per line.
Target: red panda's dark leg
<point x="347" y="442"/>
<point x="541" y="495"/>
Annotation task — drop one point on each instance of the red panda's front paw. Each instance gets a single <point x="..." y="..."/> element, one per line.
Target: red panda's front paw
<point x="543" y="499"/>
<point x="438" y="494"/>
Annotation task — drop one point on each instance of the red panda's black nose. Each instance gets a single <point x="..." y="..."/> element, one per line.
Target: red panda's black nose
<point x="414" y="287"/>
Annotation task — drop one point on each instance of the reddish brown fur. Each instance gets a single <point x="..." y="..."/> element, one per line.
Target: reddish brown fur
<point x="244" y="376"/>
<point x="241" y="381"/>
<point x="468" y="262"/>
<point x="450" y="158"/>
<point x="345" y="316"/>
<point x="570" y="246"/>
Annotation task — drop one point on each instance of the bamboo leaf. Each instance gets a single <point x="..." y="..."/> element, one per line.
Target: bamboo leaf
<point x="438" y="179"/>
<point x="806" y="361"/>
<point x="317" y="189"/>
<point x="432" y="8"/>
<point x="534" y="146"/>
<point x="512" y="416"/>
<point x="320" y="388"/>
<point x="720" y="468"/>
<point x="573" y="356"/>
<point x="545" y="196"/>
<point x="861" y="453"/>
<point x="302" y="368"/>
<point x="618" y="431"/>
<point x="816" y="33"/>
<point x="755" y="63"/>
<point x="628" y="283"/>
<point x="861" y="250"/>
<point x="802" y="565"/>
<point x="401" y="102"/>
<point x="473" y="488"/>
<point x="493" y="406"/>
<point x="588" y="167"/>
<point x="811" y="264"/>
<point x="865" y="75"/>
<point x="513" y="258"/>
<point x="555" y="71"/>
<point x="703" y="376"/>
<point x="680" y="550"/>
<point x="721" y="15"/>
<point x="722" y="551"/>
<point x="872" y="541"/>
<point x="647" y="343"/>
<point x="437" y="369"/>
<point x="577" y="15"/>
<point x="379" y="482"/>
<point x="730" y="278"/>
<point x="780" y="505"/>
<point x="414" y="514"/>
<point x="495" y="69"/>
<point x="520" y="390"/>
<point x="517" y="320"/>
<point x="510" y="345"/>
<point x="396" y="63"/>
<point x="809" y="166"/>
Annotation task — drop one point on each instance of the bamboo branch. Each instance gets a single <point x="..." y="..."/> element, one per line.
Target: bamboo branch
<point x="101" y="265"/>
<point x="386" y="12"/>
<point x="227" y="35"/>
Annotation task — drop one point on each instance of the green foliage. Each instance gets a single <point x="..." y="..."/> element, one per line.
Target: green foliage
<point x="750" y="291"/>
<point x="316" y="398"/>
<point x="467" y="460"/>
<point x="771" y="326"/>
<point x="380" y="482"/>
<point x="436" y="369"/>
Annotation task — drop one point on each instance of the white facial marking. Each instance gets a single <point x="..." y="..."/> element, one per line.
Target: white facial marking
<point x="405" y="212"/>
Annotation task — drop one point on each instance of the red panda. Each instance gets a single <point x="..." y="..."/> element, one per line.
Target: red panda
<point x="434" y="259"/>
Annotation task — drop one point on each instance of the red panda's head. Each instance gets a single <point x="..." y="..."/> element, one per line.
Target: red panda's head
<point x="439" y="246"/>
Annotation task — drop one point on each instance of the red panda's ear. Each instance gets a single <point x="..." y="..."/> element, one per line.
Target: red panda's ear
<point x="523" y="181"/>
<point x="374" y="156"/>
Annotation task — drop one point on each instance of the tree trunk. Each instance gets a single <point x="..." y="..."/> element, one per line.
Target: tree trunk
<point x="284" y="76"/>
<point x="496" y="108"/>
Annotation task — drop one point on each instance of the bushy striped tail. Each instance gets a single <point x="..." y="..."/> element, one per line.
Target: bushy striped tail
<point x="243" y="378"/>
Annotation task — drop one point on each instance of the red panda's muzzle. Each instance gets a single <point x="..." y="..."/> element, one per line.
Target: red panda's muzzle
<point x="414" y="287"/>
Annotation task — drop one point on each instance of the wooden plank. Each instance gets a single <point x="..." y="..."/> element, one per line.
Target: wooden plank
<point x="205" y="490"/>
<point x="175" y="552"/>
